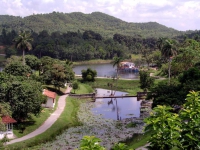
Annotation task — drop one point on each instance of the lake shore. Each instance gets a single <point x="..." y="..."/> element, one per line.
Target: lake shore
<point x="96" y="61"/>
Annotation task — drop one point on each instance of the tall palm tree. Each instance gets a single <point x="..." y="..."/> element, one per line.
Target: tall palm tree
<point x="116" y="62"/>
<point x="160" y="43"/>
<point x="168" y="52"/>
<point x="23" y="42"/>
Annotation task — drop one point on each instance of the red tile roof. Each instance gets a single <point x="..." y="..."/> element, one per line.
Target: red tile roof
<point x="49" y="93"/>
<point x="7" y="119"/>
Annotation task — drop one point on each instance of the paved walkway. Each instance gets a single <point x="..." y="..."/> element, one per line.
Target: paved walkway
<point x="48" y="123"/>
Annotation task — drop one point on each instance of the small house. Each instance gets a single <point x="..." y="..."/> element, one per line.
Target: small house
<point x="51" y="97"/>
<point x="8" y="121"/>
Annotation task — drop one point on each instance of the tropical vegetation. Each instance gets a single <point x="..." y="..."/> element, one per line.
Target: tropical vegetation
<point x="174" y="123"/>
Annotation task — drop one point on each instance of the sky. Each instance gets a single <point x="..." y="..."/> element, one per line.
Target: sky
<point x="178" y="14"/>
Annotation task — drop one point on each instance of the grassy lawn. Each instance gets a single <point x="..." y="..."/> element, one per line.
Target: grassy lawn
<point x="34" y="122"/>
<point x="130" y="86"/>
<point x="83" y="88"/>
<point x="67" y="119"/>
<point x="96" y="61"/>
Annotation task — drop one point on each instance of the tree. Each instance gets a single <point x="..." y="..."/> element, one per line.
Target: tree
<point x="145" y="80"/>
<point x="24" y="96"/>
<point x="89" y="74"/>
<point x="170" y="130"/>
<point x="75" y="86"/>
<point x="165" y="94"/>
<point x="160" y="43"/>
<point x="17" y="69"/>
<point x="190" y="115"/>
<point x="58" y="74"/>
<point x="33" y="62"/>
<point x="168" y="51"/>
<point x="146" y="54"/>
<point x="116" y="62"/>
<point x="23" y="42"/>
<point x="165" y="127"/>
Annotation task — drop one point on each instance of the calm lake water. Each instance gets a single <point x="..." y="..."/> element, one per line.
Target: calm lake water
<point x="105" y="70"/>
<point x="119" y="108"/>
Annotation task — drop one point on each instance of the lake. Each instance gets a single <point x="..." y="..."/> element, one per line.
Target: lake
<point x="116" y="108"/>
<point x="105" y="70"/>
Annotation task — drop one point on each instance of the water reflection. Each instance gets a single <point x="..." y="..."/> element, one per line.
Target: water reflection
<point x="105" y="70"/>
<point x="116" y="108"/>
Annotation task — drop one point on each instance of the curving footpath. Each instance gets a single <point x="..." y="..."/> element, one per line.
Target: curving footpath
<point x="48" y="123"/>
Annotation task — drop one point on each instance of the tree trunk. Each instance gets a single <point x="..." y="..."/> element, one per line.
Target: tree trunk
<point x="169" y="71"/>
<point x="23" y="57"/>
<point x="116" y="80"/>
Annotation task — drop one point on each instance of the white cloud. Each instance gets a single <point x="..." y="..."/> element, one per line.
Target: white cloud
<point x="48" y="1"/>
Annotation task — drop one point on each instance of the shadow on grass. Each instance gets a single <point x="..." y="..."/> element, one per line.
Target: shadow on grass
<point x="23" y="125"/>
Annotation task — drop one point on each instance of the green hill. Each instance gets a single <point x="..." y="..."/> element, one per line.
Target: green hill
<point x="99" y="22"/>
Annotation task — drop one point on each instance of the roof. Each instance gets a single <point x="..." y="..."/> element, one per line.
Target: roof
<point x="7" y="119"/>
<point x="49" y="93"/>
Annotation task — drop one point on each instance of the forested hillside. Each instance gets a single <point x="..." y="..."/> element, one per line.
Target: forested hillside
<point x="99" y="22"/>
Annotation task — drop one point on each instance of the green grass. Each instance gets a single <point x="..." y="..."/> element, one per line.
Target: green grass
<point x="130" y="86"/>
<point x="138" y="140"/>
<point x="96" y="61"/>
<point x="67" y="119"/>
<point x="83" y="88"/>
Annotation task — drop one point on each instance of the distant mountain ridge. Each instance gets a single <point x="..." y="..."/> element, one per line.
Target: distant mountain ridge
<point x="99" y="22"/>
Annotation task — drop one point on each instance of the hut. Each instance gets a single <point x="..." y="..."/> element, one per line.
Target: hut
<point x="51" y="96"/>
<point x="8" y="121"/>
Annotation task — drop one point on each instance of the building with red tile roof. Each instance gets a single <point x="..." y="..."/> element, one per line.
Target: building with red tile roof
<point x="51" y="96"/>
<point x="8" y="121"/>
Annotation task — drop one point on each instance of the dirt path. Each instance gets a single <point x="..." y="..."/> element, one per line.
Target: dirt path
<point x="48" y="123"/>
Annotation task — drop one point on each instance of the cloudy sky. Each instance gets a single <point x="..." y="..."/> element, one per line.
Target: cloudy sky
<point x="178" y="14"/>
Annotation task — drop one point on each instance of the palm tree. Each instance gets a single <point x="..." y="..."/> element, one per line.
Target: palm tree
<point x="23" y="42"/>
<point x="160" y="43"/>
<point x="168" y="51"/>
<point x="116" y="62"/>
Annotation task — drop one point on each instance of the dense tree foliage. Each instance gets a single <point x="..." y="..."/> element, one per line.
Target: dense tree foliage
<point x="174" y="94"/>
<point x="166" y="128"/>
<point x="21" y="87"/>
<point x="89" y="74"/>
<point x="145" y="80"/>
<point x="75" y="86"/>
<point x="170" y="130"/>
<point x="17" y="69"/>
<point x="23" y="95"/>
<point x="96" y="21"/>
